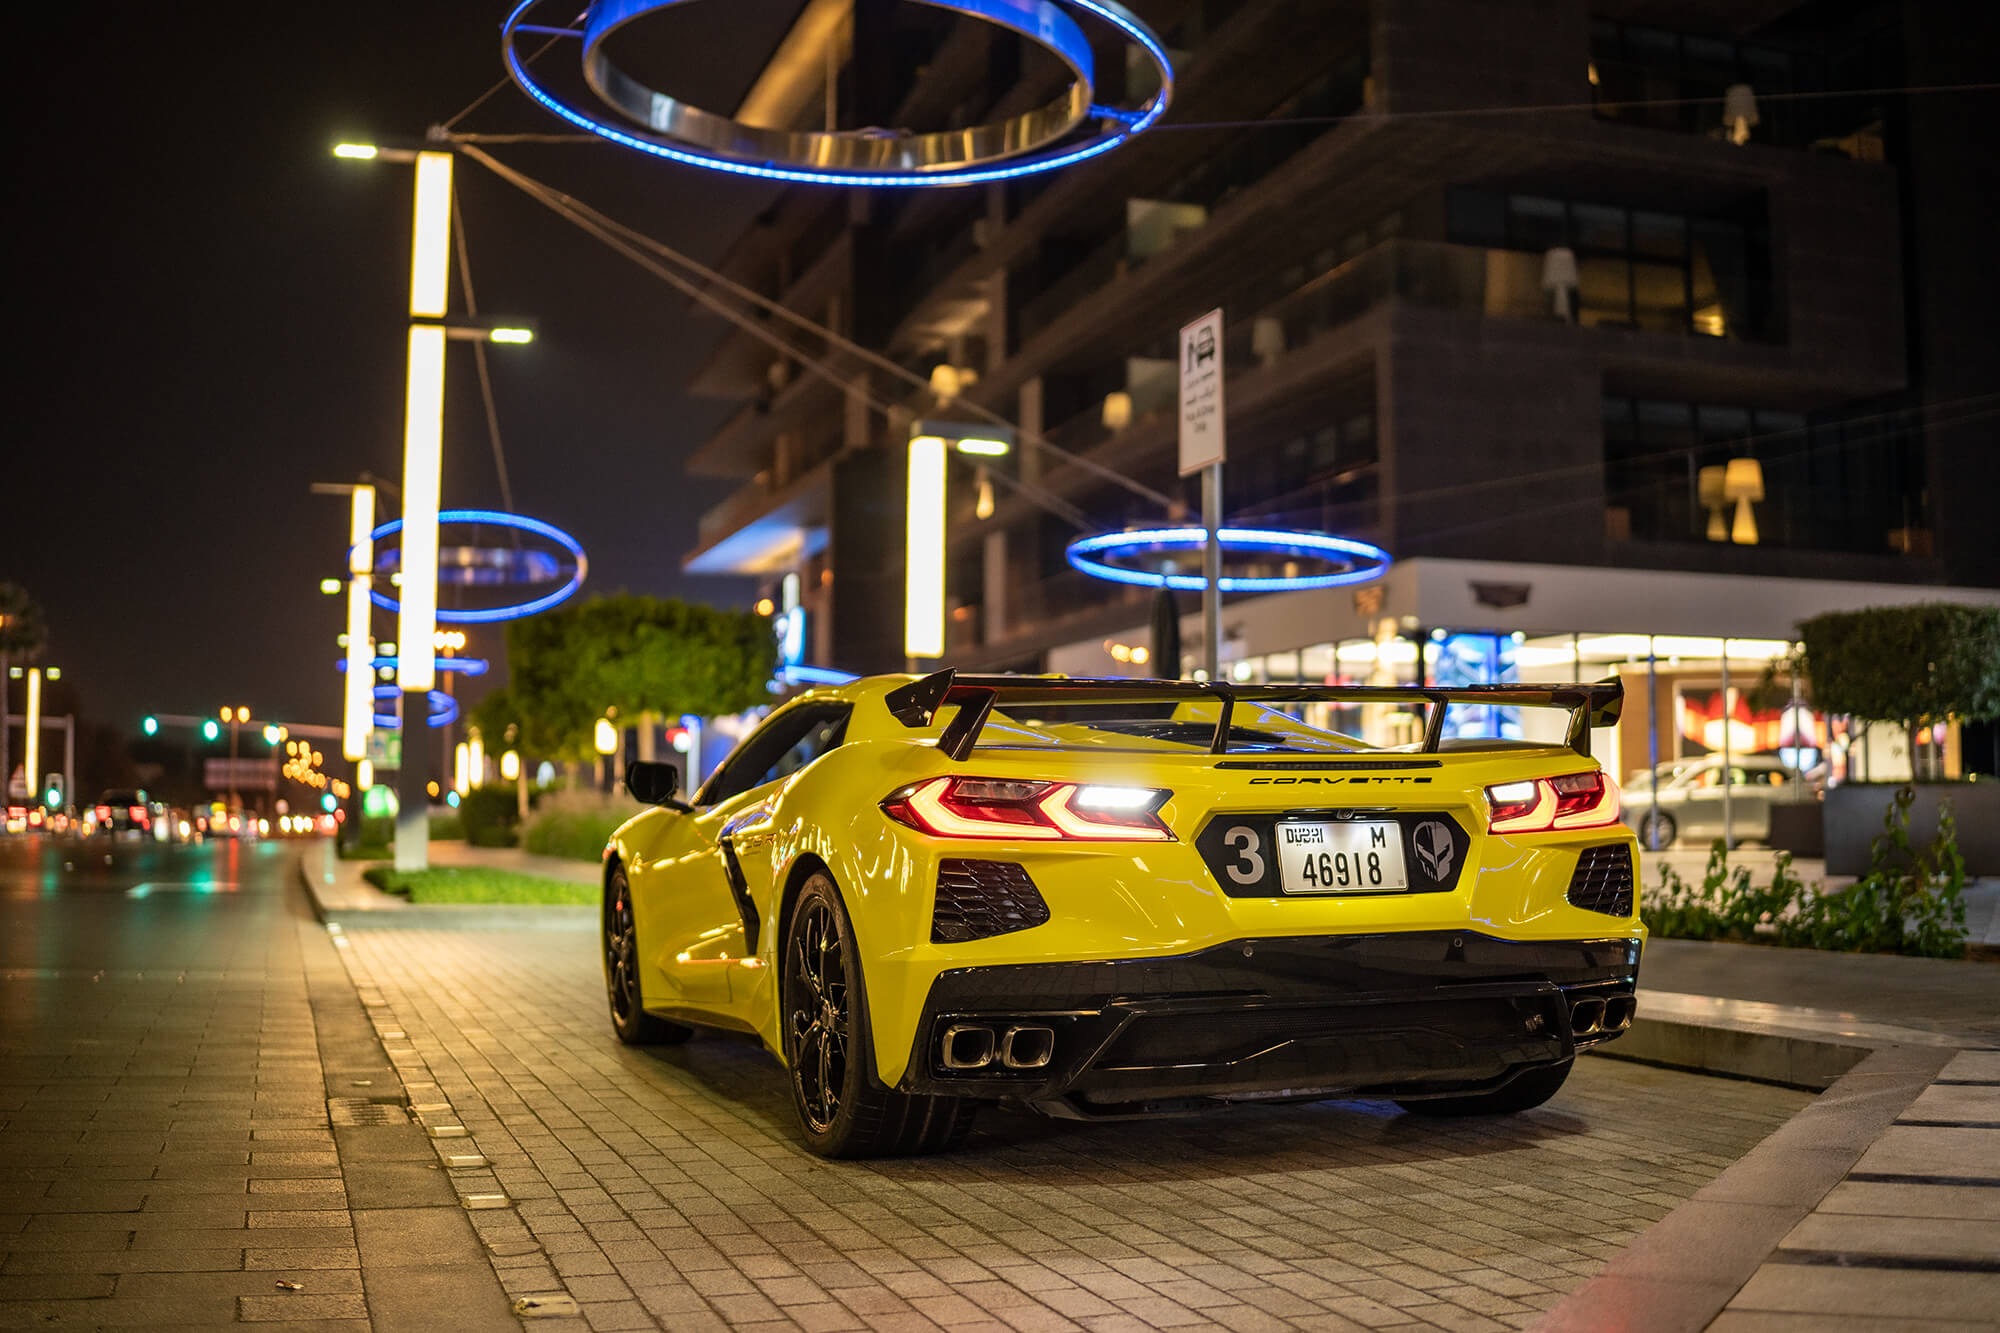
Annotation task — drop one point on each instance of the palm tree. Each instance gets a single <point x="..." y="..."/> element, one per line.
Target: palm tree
<point x="23" y="632"/>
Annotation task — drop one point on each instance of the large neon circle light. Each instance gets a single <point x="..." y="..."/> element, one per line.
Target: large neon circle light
<point x="1348" y="561"/>
<point x="1040" y="139"/>
<point x="443" y="709"/>
<point x="492" y="614"/>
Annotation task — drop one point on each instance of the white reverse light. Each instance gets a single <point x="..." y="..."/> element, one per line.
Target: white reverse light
<point x="1115" y="798"/>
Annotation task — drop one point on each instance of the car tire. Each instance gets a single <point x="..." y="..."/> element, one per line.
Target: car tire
<point x="1525" y="1093"/>
<point x="843" y="1110"/>
<point x="1669" y="830"/>
<point x="629" y="1019"/>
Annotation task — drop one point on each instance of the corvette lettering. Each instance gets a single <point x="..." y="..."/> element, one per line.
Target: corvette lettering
<point x="1329" y="782"/>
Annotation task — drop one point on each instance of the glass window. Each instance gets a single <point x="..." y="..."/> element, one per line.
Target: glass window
<point x="1659" y="235"/>
<point x="1534" y="223"/>
<point x="1476" y="217"/>
<point x="788" y="741"/>
<point x="1599" y="227"/>
<point x="1659" y="297"/>
<point x="1604" y="293"/>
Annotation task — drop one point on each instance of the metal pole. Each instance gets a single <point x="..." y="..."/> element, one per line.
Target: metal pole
<point x="1653" y="738"/>
<point x="235" y="802"/>
<point x="1728" y="810"/>
<point x="1211" y="569"/>
<point x="413" y="816"/>
<point x="69" y="761"/>
<point x="6" y="758"/>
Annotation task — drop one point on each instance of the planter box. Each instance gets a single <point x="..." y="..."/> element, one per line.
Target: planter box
<point x="1798" y="827"/>
<point x="1854" y="816"/>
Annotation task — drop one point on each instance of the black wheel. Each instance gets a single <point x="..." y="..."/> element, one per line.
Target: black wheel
<point x="843" y="1110"/>
<point x="629" y="1019"/>
<point x="1523" y="1094"/>
<point x="1661" y="824"/>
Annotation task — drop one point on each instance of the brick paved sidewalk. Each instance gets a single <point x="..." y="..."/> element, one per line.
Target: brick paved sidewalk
<point x="665" y="1188"/>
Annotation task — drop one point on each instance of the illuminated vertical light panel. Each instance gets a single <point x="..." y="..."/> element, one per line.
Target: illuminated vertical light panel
<point x="923" y="570"/>
<point x="33" y="773"/>
<point x="476" y="756"/>
<point x="423" y="444"/>
<point x="358" y="714"/>
<point x="430" y="253"/>
<point x="364" y="775"/>
<point x="461" y="768"/>
<point x="423" y="432"/>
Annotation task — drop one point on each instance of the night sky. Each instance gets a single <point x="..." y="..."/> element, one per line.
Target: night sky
<point x="207" y="312"/>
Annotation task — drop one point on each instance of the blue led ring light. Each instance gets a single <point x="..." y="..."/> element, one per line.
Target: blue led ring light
<point x="442" y="707"/>
<point x="1037" y="141"/>
<point x="1348" y="561"/>
<point x="463" y="666"/>
<point x="492" y="614"/>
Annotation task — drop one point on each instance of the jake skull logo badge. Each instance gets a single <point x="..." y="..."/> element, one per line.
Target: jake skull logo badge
<point x="1432" y="841"/>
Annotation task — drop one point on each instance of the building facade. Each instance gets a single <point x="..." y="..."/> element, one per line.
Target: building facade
<point x="1619" y="324"/>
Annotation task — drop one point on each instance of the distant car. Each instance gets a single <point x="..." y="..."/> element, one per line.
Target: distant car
<point x="1690" y="801"/>
<point x="123" y="810"/>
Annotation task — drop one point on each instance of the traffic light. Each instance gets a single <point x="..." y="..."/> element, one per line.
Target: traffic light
<point x="210" y="730"/>
<point x="151" y="726"/>
<point x="52" y="792"/>
<point x="272" y="735"/>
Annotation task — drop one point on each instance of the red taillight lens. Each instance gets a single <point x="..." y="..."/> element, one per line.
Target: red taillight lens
<point x="1543" y="805"/>
<point x="1041" y="811"/>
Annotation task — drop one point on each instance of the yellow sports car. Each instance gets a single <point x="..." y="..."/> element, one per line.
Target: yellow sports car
<point x="1106" y="898"/>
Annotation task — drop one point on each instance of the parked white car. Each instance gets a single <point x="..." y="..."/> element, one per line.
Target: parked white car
<point x="1690" y="800"/>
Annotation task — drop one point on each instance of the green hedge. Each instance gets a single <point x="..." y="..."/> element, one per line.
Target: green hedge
<point x="490" y="815"/>
<point x="574" y="825"/>
<point x="1911" y="901"/>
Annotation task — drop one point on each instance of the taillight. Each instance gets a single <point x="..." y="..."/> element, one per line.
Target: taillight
<point x="1543" y="805"/>
<point x="1030" y="810"/>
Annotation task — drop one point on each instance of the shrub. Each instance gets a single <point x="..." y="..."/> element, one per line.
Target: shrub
<point x="575" y="825"/>
<point x="447" y="828"/>
<point x="1911" y="900"/>
<point x="490" y="815"/>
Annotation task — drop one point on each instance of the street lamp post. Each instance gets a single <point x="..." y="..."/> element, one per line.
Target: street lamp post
<point x="423" y="446"/>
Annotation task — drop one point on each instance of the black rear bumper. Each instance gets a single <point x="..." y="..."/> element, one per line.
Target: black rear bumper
<point x="1416" y="1014"/>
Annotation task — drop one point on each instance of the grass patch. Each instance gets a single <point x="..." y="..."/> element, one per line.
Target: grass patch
<point x="364" y="851"/>
<point x="462" y="884"/>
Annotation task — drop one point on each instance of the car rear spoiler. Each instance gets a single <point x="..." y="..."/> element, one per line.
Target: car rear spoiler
<point x="917" y="703"/>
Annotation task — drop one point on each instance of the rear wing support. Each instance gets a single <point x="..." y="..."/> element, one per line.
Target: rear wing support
<point x="917" y="703"/>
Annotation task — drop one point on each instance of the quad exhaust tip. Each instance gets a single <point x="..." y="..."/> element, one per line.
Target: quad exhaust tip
<point x="1594" y="1016"/>
<point x="975" y="1046"/>
<point x="967" y="1046"/>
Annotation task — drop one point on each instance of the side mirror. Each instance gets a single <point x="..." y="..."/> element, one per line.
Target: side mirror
<point x="654" y="783"/>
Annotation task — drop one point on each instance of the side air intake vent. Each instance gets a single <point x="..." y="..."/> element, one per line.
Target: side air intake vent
<point x="976" y="899"/>
<point x="1603" y="880"/>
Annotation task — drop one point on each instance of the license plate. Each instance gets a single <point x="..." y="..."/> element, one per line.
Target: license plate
<point x="1341" y="858"/>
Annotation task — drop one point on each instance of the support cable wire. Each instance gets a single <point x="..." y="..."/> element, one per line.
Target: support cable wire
<point x="479" y="359"/>
<point x="555" y="201"/>
<point x="575" y="209"/>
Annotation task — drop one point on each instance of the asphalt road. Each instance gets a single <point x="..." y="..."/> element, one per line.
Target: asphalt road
<point x="131" y="905"/>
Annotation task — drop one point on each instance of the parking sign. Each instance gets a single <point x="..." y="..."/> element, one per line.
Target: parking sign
<point x="1201" y="393"/>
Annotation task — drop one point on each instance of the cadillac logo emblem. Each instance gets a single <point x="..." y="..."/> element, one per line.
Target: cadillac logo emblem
<point x="1432" y="841"/>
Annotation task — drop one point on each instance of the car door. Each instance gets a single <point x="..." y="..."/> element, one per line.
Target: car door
<point x="708" y="922"/>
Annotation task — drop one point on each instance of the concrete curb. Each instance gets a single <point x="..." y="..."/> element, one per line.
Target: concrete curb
<point x="392" y="911"/>
<point x="1682" y="1271"/>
